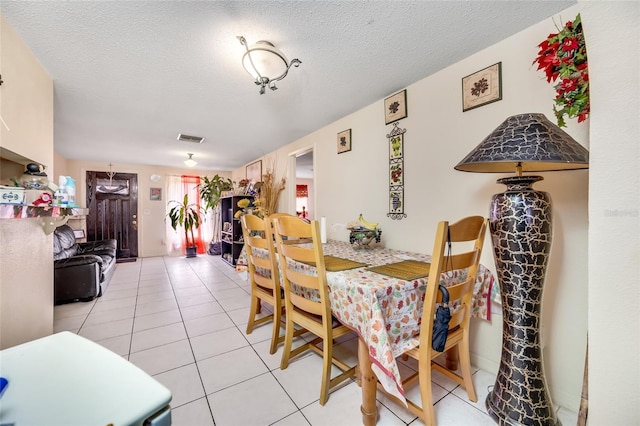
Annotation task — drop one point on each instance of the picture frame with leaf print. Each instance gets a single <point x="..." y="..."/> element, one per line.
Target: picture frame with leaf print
<point x="482" y="87"/>
<point x="395" y="107"/>
<point x="344" y="141"/>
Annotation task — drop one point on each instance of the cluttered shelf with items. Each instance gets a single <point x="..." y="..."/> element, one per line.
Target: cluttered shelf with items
<point x="32" y="195"/>
<point x="34" y="189"/>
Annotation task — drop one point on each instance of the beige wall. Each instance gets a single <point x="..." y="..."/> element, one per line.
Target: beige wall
<point x="613" y="42"/>
<point x="151" y="214"/>
<point x="27" y="100"/>
<point x="59" y="167"/>
<point x="438" y="136"/>
<point x="26" y="253"/>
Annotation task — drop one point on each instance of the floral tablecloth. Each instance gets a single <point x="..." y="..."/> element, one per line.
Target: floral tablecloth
<point x="383" y="310"/>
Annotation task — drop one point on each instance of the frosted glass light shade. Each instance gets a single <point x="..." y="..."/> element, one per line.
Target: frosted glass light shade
<point x="264" y="60"/>
<point x="190" y="162"/>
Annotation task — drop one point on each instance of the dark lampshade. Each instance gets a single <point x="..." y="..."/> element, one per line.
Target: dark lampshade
<point x="530" y="140"/>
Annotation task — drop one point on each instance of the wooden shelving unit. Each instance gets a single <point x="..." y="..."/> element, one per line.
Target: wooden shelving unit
<point x="232" y="241"/>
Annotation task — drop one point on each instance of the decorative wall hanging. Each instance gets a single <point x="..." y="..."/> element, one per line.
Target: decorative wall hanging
<point x="482" y="87"/>
<point x="344" y="141"/>
<point x="564" y="55"/>
<point x="302" y="191"/>
<point x="396" y="173"/>
<point x="254" y="171"/>
<point x="155" y="194"/>
<point x="395" y="107"/>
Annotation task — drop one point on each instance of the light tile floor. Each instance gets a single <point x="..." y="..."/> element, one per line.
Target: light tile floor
<point x="183" y="321"/>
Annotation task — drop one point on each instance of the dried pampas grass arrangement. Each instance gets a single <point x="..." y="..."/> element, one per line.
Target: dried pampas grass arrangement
<point x="266" y="202"/>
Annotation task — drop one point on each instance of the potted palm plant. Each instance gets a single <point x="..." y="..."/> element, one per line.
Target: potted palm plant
<point x="211" y="190"/>
<point x="188" y="217"/>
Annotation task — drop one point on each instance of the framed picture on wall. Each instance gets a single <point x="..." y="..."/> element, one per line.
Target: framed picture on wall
<point x="254" y="171"/>
<point x="155" y="194"/>
<point x="395" y="107"/>
<point x="344" y="141"/>
<point x="482" y="87"/>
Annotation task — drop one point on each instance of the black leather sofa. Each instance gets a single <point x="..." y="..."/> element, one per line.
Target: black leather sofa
<point x="82" y="271"/>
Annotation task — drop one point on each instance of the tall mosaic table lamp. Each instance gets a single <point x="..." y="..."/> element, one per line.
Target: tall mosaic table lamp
<point x="521" y="231"/>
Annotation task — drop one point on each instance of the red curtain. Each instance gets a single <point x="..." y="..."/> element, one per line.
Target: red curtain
<point x="189" y="186"/>
<point x="301" y="191"/>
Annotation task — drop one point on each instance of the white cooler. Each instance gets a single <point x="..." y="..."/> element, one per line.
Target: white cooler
<point x="65" y="379"/>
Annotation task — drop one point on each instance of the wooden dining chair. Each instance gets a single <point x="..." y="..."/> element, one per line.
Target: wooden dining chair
<point x="312" y="315"/>
<point x="263" y="275"/>
<point x="467" y="232"/>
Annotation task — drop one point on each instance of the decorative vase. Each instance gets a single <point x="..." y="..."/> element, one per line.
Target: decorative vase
<point x="520" y="225"/>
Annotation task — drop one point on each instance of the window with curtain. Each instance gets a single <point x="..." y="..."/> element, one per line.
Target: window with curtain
<point x="177" y="187"/>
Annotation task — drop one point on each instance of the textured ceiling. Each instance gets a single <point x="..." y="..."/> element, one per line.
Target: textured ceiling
<point x="130" y="75"/>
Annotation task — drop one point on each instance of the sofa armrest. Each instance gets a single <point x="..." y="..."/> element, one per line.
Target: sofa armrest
<point x="78" y="260"/>
<point x="103" y="245"/>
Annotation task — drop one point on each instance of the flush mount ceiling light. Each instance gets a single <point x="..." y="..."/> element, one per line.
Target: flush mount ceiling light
<point x="265" y="63"/>
<point x="190" y="162"/>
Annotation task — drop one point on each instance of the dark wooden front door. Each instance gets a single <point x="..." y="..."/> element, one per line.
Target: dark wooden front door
<point x="113" y="210"/>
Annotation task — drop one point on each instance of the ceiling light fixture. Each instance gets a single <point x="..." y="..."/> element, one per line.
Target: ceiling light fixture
<point x="111" y="174"/>
<point x="190" y="162"/>
<point x="265" y="63"/>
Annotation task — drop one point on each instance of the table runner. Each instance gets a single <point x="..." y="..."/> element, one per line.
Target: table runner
<point x="335" y="264"/>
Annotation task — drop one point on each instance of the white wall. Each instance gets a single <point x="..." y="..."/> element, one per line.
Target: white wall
<point x="438" y="135"/>
<point x="613" y="42"/>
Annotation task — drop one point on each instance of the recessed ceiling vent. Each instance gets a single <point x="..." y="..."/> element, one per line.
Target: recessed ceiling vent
<point x="188" y="138"/>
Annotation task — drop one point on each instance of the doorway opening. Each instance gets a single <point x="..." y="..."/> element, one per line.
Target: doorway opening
<point x="305" y="193"/>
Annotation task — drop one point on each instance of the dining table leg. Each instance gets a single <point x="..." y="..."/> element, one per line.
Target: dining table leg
<point x="368" y="382"/>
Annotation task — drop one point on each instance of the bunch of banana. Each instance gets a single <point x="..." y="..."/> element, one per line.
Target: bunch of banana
<point x="367" y="224"/>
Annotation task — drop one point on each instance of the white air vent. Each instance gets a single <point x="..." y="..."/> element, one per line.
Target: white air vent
<point x="188" y="138"/>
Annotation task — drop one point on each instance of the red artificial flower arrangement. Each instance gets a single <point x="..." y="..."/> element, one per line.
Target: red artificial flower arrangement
<point x="563" y="56"/>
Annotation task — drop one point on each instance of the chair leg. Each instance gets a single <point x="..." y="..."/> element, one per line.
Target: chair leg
<point x="465" y="369"/>
<point x="327" y="357"/>
<point x="426" y="396"/>
<point x="288" y="341"/>
<point x="275" y="334"/>
<point x="253" y="311"/>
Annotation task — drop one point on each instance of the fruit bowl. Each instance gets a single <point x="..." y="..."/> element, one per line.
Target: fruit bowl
<point x="362" y="237"/>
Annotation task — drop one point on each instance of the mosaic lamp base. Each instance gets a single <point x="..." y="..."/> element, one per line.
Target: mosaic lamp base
<point x="520" y="225"/>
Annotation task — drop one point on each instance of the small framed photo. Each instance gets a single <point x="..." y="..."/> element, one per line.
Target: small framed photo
<point x="482" y="87"/>
<point x="254" y="171"/>
<point x="344" y="141"/>
<point x="395" y="107"/>
<point x="155" y="194"/>
<point x="78" y="233"/>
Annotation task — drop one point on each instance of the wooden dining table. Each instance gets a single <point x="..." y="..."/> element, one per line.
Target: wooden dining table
<point x="384" y="311"/>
